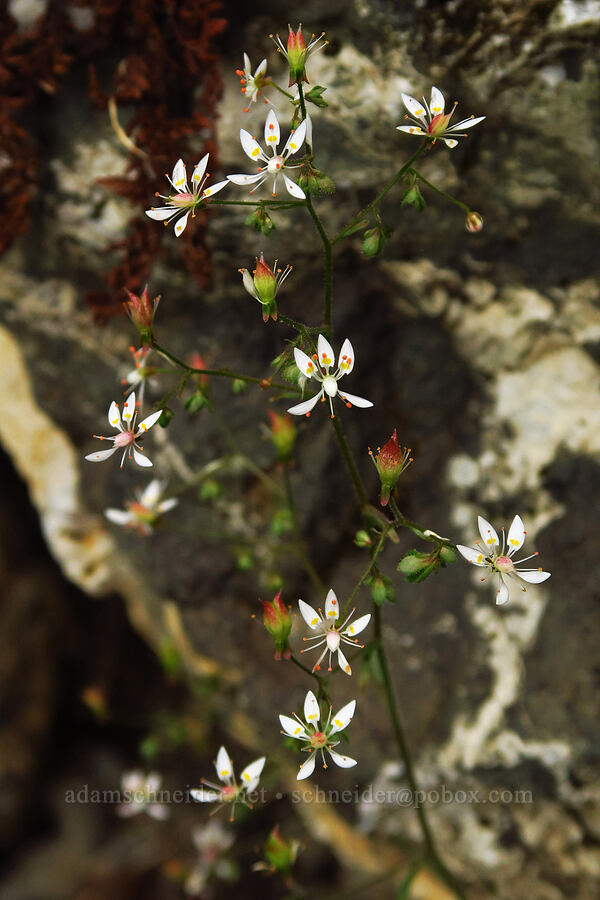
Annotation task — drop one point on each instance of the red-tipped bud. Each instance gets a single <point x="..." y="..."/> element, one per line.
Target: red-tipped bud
<point x="390" y="462"/>
<point x="278" y="622"/>
<point x="141" y="310"/>
<point x="283" y="434"/>
<point x="280" y="853"/>
<point x="296" y="55"/>
<point x="473" y="221"/>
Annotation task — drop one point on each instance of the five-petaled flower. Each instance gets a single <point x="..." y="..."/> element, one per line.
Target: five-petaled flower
<point x="317" y="738"/>
<point x="144" y="512"/>
<point x="318" y="367"/>
<point x="490" y="554"/>
<point x="230" y="791"/>
<point x="252" y="84"/>
<point x="128" y="435"/>
<point x="185" y="200"/>
<point x="430" y="121"/>
<point x="140" y="794"/>
<point x="331" y="634"/>
<point x="276" y="163"/>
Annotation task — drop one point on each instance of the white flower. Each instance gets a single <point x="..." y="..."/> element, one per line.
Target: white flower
<point x="185" y="199"/>
<point x="230" y="791"/>
<point x="127" y="436"/>
<point x="431" y="121"/>
<point x="276" y="163"/>
<point x="318" y="368"/>
<point x="317" y="740"/>
<point x="140" y="792"/>
<point x="144" y="512"/>
<point x="329" y="633"/>
<point x="252" y="84"/>
<point x="211" y="842"/>
<point x="488" y="553"/>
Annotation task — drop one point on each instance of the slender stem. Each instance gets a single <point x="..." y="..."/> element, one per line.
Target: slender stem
<point x="417" y="529"/>
<point x="302" y="101"/>
<point x="354" y="474"/>
<point x="402" y="171"/>
<point x="430" y="846"/>
<point x="284" y="204"/>
<point x="224" y="373"/>
<point x="439" y="191"/>
<point x="305" y="669"/>
<point x="280" y="89"/>
<point x="374" y="554"/>
<point x="299" y="546"/>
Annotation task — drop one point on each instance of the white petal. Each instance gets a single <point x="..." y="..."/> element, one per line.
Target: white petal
<point x="344" y="762"/>
<point x="414" y="107"/>
<point x="214" y="188"/>
<point x="305" y="407"/>
<point x="332" y="607"/>
<point x="311" y="709"/>
<point x="153" y="783"/>
<point x="223" y="764"/>
<point x="151" y="493"/>
<point x="343" y="663"/>
<point x="410" y="129"/>
<point x="355" y="401"/>
<point x="200" y="170"/>
<point x="161" y="213"/>
<point x="535" y="576"/>
<point x="325" y="352"/>
<point x="502" y="595"/>
<point x="488" y="533"/>
<point x="251" y="774"/>
<point x="100" y="455"/>
<point x="272" y="133"/>
<point x="343" y="717"/>
<point x="304" y="362"/>
<point x="472" y="555"/>
<point x="248" y="282"/>
<point x="295" y="140"/>
<point x="114" y="416"/>
<point x="450" y="143"/>
<point x="357" y="626"/>
<point x="250" y="146"/>
<point x="261" y="69"/>
<point x="293" y="188"/>
<point x="467" y="123"/>
<point x="140" y="459"/>
<point x="436" y="103"/>
<point x="147" y="423"/>
<point x="245" y="179"/>
<point x="165" y="505"/>
<point x="516" y="535"/>
<point x="178" y="178"/>
<point x="293" y="728"/>
<point x="203" y="795"/>
<point x="346" y="357"/>
<point x="310" y="615"/>
<point x="181" y="224"/>
<point x="247" y="63"/>
<point x="158" y="811"/>
<point x="307" y="768"/>
<point x="119" y="516"/>
<point x="129" y="408"/>
<point x="131" y="782"/>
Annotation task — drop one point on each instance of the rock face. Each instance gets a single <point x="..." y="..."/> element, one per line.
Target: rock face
<point x="481" y="349"/>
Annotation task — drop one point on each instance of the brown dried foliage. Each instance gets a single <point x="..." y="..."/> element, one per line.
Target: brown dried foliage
<point x="166" y="76"/>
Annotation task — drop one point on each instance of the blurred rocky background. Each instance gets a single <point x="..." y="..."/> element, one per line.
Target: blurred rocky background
<point x="483" y="351"/>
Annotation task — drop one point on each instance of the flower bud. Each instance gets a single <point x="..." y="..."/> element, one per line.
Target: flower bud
<point x="260" y="220"/>
<point x="296" y="56"/>
<point x="278" y="622"/>
<point x="312" y="181"/>
<point x="414" y="197"/>
<point x="263" y="284"/>
<point x="374" y="241"/>
<point x="473" y="221"/>
<point x="390" y="462"/>
<point x="279" y="853"/>
<point x="362" y="539"/>
<point x="283" y="434"/>
<point x="141" y="310"/>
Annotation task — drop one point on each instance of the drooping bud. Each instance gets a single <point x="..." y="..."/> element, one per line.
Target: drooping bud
<point x="283" y="434"/>
<point x="313" y="181"/>
<point x="374" y="241"/>
<point x="141" y="310"/>
<point x="414" y="197"/>
<point x="260" y="220"/>
<point x="278" y="622"/>
<point x="362" y="538"/>
<point x="390" y="462"/>
<point x="279" y="853"/>
<point x="473" y="221"/>
<point x="418" y="566"/>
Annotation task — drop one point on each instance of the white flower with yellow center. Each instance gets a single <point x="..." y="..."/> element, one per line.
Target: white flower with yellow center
<point x="317" y="738"/>
<point x="331" y="634"/>
<point x="252" y="84"/>
<point x="229" y="791"/>
<point x="488" y="553"/>
<point x="143" y="513"/>
<point x="186" y="199"/>
<point x="141" y="793"/>
<point x="431" y="121"/>
<point x="276" y="163"/>
<point x="128" y="436"/>
<point x="318" y="368"/>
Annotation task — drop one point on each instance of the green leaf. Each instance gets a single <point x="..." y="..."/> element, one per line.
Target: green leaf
<point x="315" y="95"/>
<point x="414" y="197"/>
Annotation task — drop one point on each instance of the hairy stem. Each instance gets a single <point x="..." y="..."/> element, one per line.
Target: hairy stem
<point x="438" y="190"/>
<point x="349" y="460"/>
<point x="299" y="546"/>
